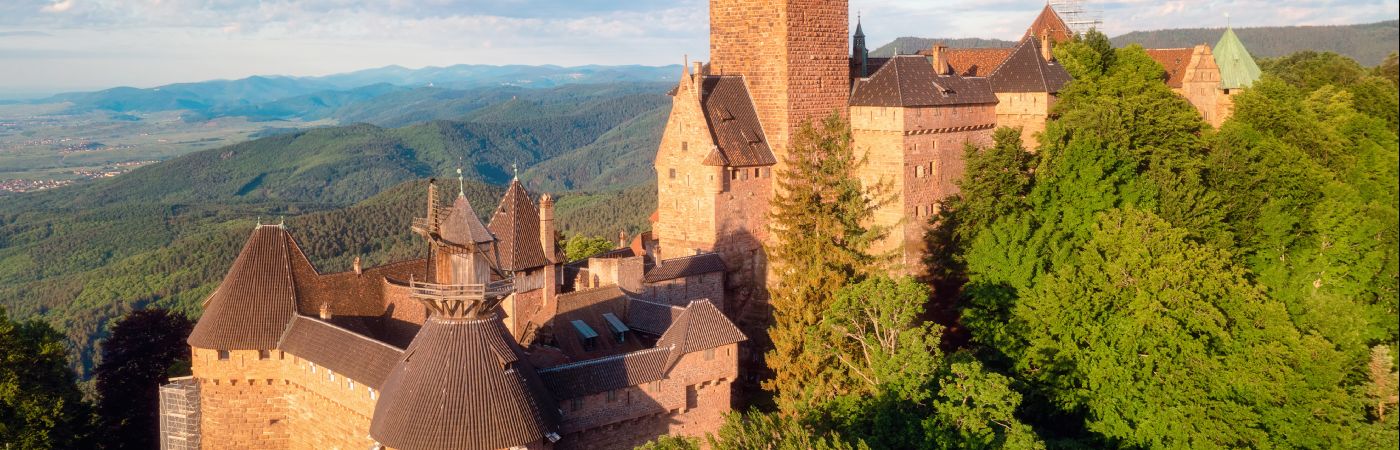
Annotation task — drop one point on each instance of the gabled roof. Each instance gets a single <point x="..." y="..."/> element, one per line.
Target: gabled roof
<point x="257" y="298"/>
<point x="909" y="81"/>
<point x="1027" y="71"/>
<point x="701" y="326"/>
<point x="462" y="226"/>
<point x="1049" y="23"/>
<point x="605" y="374"/>
<point x="686" y="266"/>
<point x="733" y="123"/>
<point x="1173" y="61"/>
<point x="343" y="351"/>
<point x="462" y="384"/>
<point x="516" y="224"/>
<point x="1237" y="67"/>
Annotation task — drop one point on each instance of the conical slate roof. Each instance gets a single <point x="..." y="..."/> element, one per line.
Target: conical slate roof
<point x="462" y="227"/>
<point x="516" y="223"/>
<point x="462" y="384"/>
<point x="1237" y="67"/>
<point x="257" y="298"/>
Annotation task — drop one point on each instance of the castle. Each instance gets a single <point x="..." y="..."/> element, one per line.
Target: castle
<point x="492" y="340"/>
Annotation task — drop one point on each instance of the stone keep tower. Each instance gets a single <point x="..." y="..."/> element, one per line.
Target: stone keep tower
<point x="792" y="55"/>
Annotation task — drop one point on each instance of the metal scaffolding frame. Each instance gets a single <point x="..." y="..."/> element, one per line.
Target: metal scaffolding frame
<point x="179" y="414"/>
<point x="1077" y="15"/>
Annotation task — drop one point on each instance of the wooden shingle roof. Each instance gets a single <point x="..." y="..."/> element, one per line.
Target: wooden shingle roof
<point x="701" y="326"/>
<point x="462" y="226"/>
<point x="462" y="384"/>
<point x="354" y="355"/>
<point x="516" y="225"/>
<point x="256" y="299"/>
<point x="1049" y="23"/>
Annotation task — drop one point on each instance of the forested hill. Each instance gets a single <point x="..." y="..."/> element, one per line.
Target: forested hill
<point x="1368" y="44"/>
<point x="164" y="234"/>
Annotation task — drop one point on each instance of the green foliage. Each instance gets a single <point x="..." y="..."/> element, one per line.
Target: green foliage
<point x="820" y="243"/>
<point x="141" y="354"/>
<point x="40" y="405"/>
<point x="671" y="443"/>
<point x="771" y="431"/>
<point x="580" y="247"/>
<point x="880" y="339"/>
<point x="1389" y="69"/>
<point x="1372" y="92"/>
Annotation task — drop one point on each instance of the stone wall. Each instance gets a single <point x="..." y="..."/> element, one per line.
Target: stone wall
<point x="681" y="291"/>
<point x="917" y="154"/>
<point x="276" y="400"/>
<point x="1028" y="110"/>
<point x="1201" y="84"/>
<point x="686" y="188"/>
<point x="691" y="402"/>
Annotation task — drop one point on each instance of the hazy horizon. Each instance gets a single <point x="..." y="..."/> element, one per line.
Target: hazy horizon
<point x="53" y="46"/>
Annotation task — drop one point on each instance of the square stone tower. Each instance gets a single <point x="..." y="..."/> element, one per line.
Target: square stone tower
<point x="792" y="55"/>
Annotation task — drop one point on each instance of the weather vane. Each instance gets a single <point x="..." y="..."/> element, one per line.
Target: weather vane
<point x="461" y="183"/>
<point x="515" y="171"/>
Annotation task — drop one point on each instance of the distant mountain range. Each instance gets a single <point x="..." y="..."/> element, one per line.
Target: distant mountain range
<point x="279" y="97"/>
<point x="1368" y="44"/>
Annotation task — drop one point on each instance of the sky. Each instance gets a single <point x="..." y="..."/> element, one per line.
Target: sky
<point x="49" y="46"/>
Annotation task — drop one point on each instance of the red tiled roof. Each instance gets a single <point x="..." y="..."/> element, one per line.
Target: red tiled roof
<point x="1173" y="61"/>
<point x="1027" y="71"/>
<point x="1049" y="23"/>
<point x="733" y="123"/>
<point x="651" y="317"/>
<point x="686" y="266"/>
<point x="353" y="355"/>
<point x="516" y="225"/>
<point x="909" y="81"/>
<point x="257" y="298"/>
<point x="974" y="62"/>
<point x="700" y="327"/>
<point x="462" y="384"/>
<point x="606" y="374"/>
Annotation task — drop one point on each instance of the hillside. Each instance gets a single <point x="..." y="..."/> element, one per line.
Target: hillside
<point x="83" y="254"/>
<point x="909" y="45"/>
<point x="1368" y="44"/>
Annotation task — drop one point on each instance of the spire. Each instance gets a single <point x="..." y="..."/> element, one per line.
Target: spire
<point x="858" y="51"/>
<point x="461" y="184"/>
<point x="1237" y="66"/>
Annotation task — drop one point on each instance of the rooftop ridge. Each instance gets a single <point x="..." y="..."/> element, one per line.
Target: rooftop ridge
<point x="609" y="358"/>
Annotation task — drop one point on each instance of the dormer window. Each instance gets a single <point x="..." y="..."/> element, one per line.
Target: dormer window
<point x="587" y="337"/>
<point x="615" y="325"/>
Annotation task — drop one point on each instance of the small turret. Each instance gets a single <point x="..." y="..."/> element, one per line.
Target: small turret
<point x="858" y="51"/>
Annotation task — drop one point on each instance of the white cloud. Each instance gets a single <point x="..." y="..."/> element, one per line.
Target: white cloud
<point x="58" y="7"/>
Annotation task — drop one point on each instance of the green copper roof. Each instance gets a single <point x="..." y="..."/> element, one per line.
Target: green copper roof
<point x="1237" y="68"/>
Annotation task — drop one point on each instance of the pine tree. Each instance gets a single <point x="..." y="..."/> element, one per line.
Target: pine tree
<point x="143" y="351"/>
<point x="821" y="243"/>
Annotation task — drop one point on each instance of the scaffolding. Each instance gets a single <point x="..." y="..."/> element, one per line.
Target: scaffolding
<point x="1077" y="15"/>
<point x="179" y="414"/>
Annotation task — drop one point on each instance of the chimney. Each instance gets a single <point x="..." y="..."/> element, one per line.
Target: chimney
<point x="1045" y="50"/>
<point x="621" y="238"/>
<point x="699" y="68"/>
<point x="325" y="311"/>
<point x="356" y="266"/>
<point x="940" y="59"/>
<point x="432" y="205"/>
<point x="547" y="232"/>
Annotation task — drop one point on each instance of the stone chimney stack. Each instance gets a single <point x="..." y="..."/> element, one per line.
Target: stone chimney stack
<point x="621" y="238"/>
<point x="356" y="266"/>
<point x="326" y="311"/>
<point x="547" y="232"/>
<point x="940" y="59"/>
<point x="1045" y="50"/>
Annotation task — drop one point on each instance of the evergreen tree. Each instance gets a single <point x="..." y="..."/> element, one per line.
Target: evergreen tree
<point x="774" y="431"/>
<point x="145" y="349"/>
<point x="40" y="405"/>
<point x="821" y="242"/>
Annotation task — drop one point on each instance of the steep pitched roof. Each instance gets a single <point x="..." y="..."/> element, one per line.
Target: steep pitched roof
<point x="685" y="267"/>
<point x="343" y="351"/>
<point x="462" y="227"/>
<point x="605" y="374"/>
<point x="700" y="327"/>
<point x="1049" y="23"/>
<point x="1026" y="71"/>
<point x="516" y="224"/>
<point x="462" y="384"/>
<point x="1173" y="61"/>
<point x="733" y="123"/>
<point x="909" y="81"/>
<point x="1237" y="67"/>
<point x="257" y="298"/>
